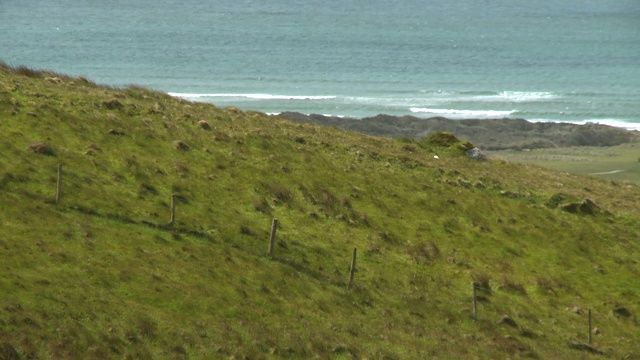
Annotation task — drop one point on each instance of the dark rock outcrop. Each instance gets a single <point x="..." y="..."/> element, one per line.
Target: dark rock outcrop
<point x="487" y="134"/>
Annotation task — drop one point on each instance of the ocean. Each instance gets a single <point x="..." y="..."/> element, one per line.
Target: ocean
<point x="569" y="61"/>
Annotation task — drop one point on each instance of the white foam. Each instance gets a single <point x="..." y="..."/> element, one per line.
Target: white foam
<point x="609" y="122"/>
<point x="477" y="113"/>
<point x="520" y="96"/>
<point x="251" y="96"/>
<point x="327" y="115"/>
<point x="503" y="96"/>
<point x="614" y="122"/>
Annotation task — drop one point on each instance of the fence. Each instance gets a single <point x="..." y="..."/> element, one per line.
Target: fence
<point x="352" y="270"/>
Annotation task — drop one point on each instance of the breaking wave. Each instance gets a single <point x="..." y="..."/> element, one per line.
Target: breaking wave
<point x="251" y="96"/>
<point x="456" y="112"/>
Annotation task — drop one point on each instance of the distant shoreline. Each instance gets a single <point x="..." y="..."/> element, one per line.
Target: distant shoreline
<point x="488" y="134"/>
<point x="480" y="105"/>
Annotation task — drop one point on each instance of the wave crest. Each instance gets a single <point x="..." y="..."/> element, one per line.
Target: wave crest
<point x="251" y="96"/>
<point x="521" y="96"/>
<point x="477" y="113"/>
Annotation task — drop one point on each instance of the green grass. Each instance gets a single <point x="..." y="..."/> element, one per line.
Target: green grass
<point x="616" y="163"/>
<point x="102" y="275"/>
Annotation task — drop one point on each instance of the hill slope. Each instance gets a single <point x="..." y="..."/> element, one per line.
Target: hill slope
<point x="102" y="274"/>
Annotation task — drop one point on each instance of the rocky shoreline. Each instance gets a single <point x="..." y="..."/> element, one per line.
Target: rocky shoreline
<point x="488" y="134"/>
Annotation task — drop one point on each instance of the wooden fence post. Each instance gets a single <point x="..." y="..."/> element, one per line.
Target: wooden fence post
<point x="353" y="267"/>
<point x="272" y="238"/>
<point x="59" y="185"/>
<point x="173" y="210"/>
<point x="475" y="302"/>
<point x="590" y="332"/>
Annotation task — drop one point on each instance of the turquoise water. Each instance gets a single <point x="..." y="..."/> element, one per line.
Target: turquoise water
<point x="573" y="61"/>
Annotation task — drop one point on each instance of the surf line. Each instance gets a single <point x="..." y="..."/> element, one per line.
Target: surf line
<point x="608" y="172"/>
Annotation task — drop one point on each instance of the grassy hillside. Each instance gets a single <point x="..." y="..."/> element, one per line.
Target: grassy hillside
<point x="591" y="149"/>
<point x="102" y="273"/>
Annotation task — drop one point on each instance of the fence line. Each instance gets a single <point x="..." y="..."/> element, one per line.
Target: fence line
<point x="272" y="240"/>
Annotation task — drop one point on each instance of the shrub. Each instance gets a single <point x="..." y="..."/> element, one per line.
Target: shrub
<point x="442" y="139"/>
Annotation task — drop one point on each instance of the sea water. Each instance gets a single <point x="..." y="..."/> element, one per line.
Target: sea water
<point x="570" y="61"/>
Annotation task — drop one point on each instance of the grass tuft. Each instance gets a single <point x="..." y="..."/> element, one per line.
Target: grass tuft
<point x="41" y="148"/>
